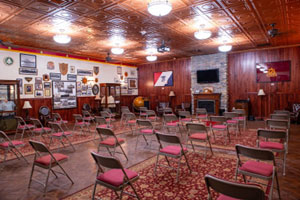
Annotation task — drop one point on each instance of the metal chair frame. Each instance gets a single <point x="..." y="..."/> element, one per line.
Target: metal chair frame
<point x="23" y="126"/>
<point x="129" y="121"/>
<point x="107" y="116"/>
<point x="87" y="116"/>
<point x="143" y="112"/>
<point x="280" y="125"/>
<point x="184" y="117"/>
<point x="57" y="118"/>
<point x="231" y="116"/>
<point x="200" y="112"/>
<point x="171" y="119"/>
<point x="41" y="129"/>
<point x="81" y="123"/>
<point x="142" y="125"/>
<point x="151" y="115"/>
<point x="220" y="119"/>
<point x="56" y="128"/>
<point x="241" y="113"/>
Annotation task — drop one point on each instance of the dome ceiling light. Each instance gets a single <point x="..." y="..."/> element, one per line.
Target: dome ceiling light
<point x="225" y="48"/>
<point x="202" y="34"/>
<point x="151" y="58"/>
<point x="117" y="50"/>
<point x="159" y="7"/>
<point x="62" y="38"/>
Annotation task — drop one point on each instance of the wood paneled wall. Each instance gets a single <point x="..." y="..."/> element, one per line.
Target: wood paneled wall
<point x="67" y="114"/>
<point x="242" y="80"/>
<point x="182" y="82"/>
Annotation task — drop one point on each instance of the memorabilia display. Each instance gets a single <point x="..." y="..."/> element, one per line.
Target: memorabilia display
<point x="47" y="92"/>
<point x="50" y="65"/>
<point x="132" y="83"/>
<point x="95" y="89"/>
<point x="132" y="72"/>
<point x="63" y="68"/>
<point x="27" y="60"/>
<point x="55" y="76"/>
<point x="64" y="94"/>
<point x="28" y="71"/>
<point x="82" y="72"/>
<point x="72" y="77"/>
<point x="28" y="88"/>
<point x="47" y="85"/>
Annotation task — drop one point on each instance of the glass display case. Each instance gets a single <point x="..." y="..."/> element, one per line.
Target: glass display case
<point x="110" y="94"/>
<point x="9" y="104"/>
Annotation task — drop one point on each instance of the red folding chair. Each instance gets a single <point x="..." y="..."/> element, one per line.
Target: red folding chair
<point x="146" y="129"/>
<point x="201" y="114"/>
<point x="23" y="127"/>
<point x="81" y="123"/>
<point x="184" y="117"/>
<point x="221" y="126"/>
<point x="58" y="119"/>
<point x="87" y="117"/>
<point x="39" y="129"/>
<point x="232" y="121"/>
<point x="130" y="120"/>
<point x="59" y="134"/>
<point x="171" y="122"/>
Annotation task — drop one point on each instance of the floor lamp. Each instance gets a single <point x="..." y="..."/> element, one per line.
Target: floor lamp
<point x="261" y="93"/>
<point x="171" y="95"/>
<point x="26" y="107"/>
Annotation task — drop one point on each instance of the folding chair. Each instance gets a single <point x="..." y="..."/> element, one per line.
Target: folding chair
<point x="275" y="146"/>
<point x="198" y="133"/>
<point x="108" y="117"/>
<point x="201" y="114"/>
<point x="124" y="110"/>
<point x="39" y="128"/>
<point x="81" y="123"/>
<point x="232" y="121"/>
<point x="59" y="134"/>
<point x="100" y="123"/>
<point x="23" y="127"/>
<point x="57" y="118"/>
<point x="48" y="161"/>
<point x="173" y="151"/>
<point x="87" y="117"/>
<point x="8" y="145"/>
<point x="146" y="129"/>
<point x="255" y="168"/>
<point x="111" y="115"/>
<point x="230" y="190"/>
<point x="279" y="125"/>
<point x="116" y="178"/>
<point x="222" y="126"/>
<point x="282" y="117"/>
<point x="143" y="112"/>
<point x="130" y="120"/>
<point x="151" y="115"/>
<point x="167" y="111"/>
<point x="109" y="140"/>
<point x="171" y="122"/>
<point x="282" y="112"/>
<point x="242" y="117"/>
<point x="184" y="117"/>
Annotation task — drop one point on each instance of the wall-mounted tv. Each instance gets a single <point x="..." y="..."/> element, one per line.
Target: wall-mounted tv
<point x="273" y="71"/>
<point x="208" y="76"/>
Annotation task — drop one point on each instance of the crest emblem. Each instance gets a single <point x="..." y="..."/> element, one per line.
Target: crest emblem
<point x="63" y="68"/>
<point x="96" y="70"/>
<point x="50" y="65"/>
<point x="8" y="61"/>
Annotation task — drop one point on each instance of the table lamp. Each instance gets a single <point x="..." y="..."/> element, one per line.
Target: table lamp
<point x="26" y="107"/>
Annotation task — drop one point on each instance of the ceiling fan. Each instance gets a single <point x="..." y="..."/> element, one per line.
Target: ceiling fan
<point x="7" y="44"/>
<point x="163" y="48"/>
<point x="273" y="32"/>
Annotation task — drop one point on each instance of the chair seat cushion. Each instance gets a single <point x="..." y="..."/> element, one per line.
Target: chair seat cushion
<point x="202" y="116"/>
<point x="82" y="123"/>
<point x="27" y="126"/>
<point x="59" y="134"/>
<point x="186" y="119"/>
<point x="115" y="176"/>
<point x="102" y="126"/>
<point x="131" y="121"/>
<point x="111" y="141"/>
<point x="172" y="124"/>
<point x="255" y="167"/>
<point x="45" y="160"/>
<point x="152" y="117"/>
<point x="198" y="136"/>
<point x="42" y="129"/>
<point x="14" y="142"/>
<point x="143" y="114"/>
<point x="224" y="197"/>
<point x="239" y="118"/>
<point x="174" y="150"/>
<point x="109" y="119"/>
<point x="232" y="121"/>
<point x="219" y="126"/>
<point x="271" y="145"/>
<point x="88" y="118"/>
<point x="147" y="131"/>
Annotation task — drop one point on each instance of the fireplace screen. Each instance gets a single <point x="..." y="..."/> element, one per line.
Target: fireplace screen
<point x="209" y="105"/>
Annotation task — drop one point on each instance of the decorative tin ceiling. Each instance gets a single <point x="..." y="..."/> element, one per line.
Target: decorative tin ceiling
<point x="92" y="23"/>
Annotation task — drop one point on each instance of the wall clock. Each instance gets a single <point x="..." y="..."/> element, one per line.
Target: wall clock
<point x="8" y="60"/>
<point x="95" y="89"/>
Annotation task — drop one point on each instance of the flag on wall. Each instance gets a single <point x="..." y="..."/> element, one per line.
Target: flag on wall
<point x="163" y="78"/>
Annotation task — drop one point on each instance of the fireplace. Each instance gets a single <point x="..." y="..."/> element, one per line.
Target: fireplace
<point x="209" y="105"/>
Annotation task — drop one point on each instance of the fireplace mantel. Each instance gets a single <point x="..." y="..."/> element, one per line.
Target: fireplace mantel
<point x="208" y="96"/>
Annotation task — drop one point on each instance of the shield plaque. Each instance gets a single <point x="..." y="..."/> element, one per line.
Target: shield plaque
<point x="96" y="70"/>
<point x="63" y="68"/>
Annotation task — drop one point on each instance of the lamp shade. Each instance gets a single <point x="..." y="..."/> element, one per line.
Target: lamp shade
<point x="27" y="105"/>
<point x="97" y="97"/>
<point x="261" y="92"/>
<point x="172" y="94"/>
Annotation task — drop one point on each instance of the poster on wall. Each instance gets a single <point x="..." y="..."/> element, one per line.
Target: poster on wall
<point x="273" y="71"/>
<point x="64" y="94"/>
<point x="163" y="79"/>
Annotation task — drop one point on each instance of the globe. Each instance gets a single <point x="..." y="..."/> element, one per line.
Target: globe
<point x="138" y="102"/>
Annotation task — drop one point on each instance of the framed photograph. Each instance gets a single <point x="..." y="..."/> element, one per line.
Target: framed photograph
<point x="163" y="79"/>
<point x="82" y="72"/>
<point x="55" y="76"/>
<point x="72" y="77"/>
<point x="28" y="71"/>
<point x="64" y="94"/>
<point x="95" y="89"/>
<point x="89" y="92"/>
<point x="38" y="86"/>
<point x="38" y="79"/>
<point x="28" y="88"/>
<point x="72" y="69"/>
<point x="132" y="83"/>
<point x="269" y="72"/>
<point x="47" y="85"/>
<point x="39" y="93"/>
<point x="119" y="70"/>
<point x="132" y="72"/>
<point x="20" y="84"/>
<point x="50" y="65"/>
<point x="27" y="60"/>
<point x="47" y="92"/>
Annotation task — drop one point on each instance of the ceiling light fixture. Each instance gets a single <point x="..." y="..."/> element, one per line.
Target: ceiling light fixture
<point x="202" y="35"/>
<point x="62" y="38"/>
<point x="151" y="58"/>
<point x="159" y="7"/>
<point x="117" y="50"/>
<point x="225" y="48"/>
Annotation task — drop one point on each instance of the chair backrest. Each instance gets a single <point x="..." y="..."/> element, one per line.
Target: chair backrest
<point x="129" y="116"/>
<point x="217" y="119"/>
<point x="277" y="123"/>
<point x="234" y="190"/>
<point x="196" y="127"/>
<point x="254" y="153"/>
<point x="105" y="131"/>
<point x="167" y="138"/>
<point x="282" y="112"/>
<point x="167" y="110"/>
<point x="170" y="118"/>
<point x="36" y="123"/>
<point x="106" y="161"/>
<point x="143" y="109"/>
<point x="100" y="120"/>
<point x="201" y="111"/>
<point x="56" y="127"/>
<point x="56" y="117"/>
<point x="275" y="134"/>
<point x="39" y="146"/>
<point x="183" y="113"/>
<point x="4" y="137"/>
<point x="107" y="110"/>
<point x="280" y="116"/>
<point x="20" y="120"/>
<point x="240" y="111"/>
<point x="78" y="117"/>
<point x="125" y="109"/>
<point x="105" y="114"/>
<point x="230" y="115"/>
<point x="185" y="105"/>
<point x="144" y="123"/>
<point x="150" y="113"/>
<point x="86" y="113"/>
<point x="163" y="104"/>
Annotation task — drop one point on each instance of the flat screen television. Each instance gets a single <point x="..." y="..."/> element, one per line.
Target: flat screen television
<point x="273" y="71"/>
<point x="208" y="76"/>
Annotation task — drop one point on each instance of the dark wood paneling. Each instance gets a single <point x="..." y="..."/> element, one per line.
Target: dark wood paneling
<point x="242" y="80"/>
<point x="127" y="100"/>
<point x="182" y="82"/>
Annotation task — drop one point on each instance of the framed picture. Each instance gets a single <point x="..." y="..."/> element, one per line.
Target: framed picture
<point x="28" y="88"/>
<point x="72" y="77"/>
<point x="38" y="86"/>
<point x="95" y="89"/>
<point x="20" y="84"/>
<point x="132" y="72"/>
<point x="50" y="65"/>
<point x="55" y="76"/>
<point x="132" y="83"/>
<point x="46" y="77"/>
<point x="47" y="92"/>
<point x="47" y="85"/>
<point x="64" y="94"/>
<point x="27" y="60"/>
<point x="82" y="72"/>
<point x="163" y="79"/>
<point x="273" y="71"/>
<point x="28" y="70"/>
<point x="39" y="93"/>
<point x="119" y="70"/>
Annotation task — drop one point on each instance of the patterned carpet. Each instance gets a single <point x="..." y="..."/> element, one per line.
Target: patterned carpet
<point x="163" y="185"/>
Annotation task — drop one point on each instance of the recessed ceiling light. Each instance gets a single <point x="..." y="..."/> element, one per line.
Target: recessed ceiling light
<point x="202" y="35"/>
<point x="117" y="50"/>
<point x="62" y="38"/>
<point x="151" y="58"/>
<point x="225" y="48"/>
<point x="159" y="7"/>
